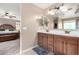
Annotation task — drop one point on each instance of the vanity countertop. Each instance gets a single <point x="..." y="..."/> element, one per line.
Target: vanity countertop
<point x="61" y="32"/>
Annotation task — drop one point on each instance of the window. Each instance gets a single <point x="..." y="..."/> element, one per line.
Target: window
<point x="70" y="24"/>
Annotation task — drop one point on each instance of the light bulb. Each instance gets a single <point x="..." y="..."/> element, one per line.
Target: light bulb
<point x="38" y="17"/>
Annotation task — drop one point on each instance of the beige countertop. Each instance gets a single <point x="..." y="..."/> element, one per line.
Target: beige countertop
<point x="61" y="32"/>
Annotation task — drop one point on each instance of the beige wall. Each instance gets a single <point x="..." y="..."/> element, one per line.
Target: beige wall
<point x="28" y="36"/>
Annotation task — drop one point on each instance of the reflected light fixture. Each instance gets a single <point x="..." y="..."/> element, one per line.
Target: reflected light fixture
<point x="51" y="12"/>
<point x="63" y="9"/>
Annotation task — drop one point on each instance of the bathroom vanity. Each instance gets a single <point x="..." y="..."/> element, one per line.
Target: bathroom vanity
<point x="59" y="42"/>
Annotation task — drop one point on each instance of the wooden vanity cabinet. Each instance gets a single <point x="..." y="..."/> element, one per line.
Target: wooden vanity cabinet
<point x="78" y="46"/>
<point x="58" y="44"/>
<point x="65" y="45"/>
<point x="70" y="47"/>
<point x="45" y="41"/>
<point x="50" y="43"/>
<point x="40" y="41"/>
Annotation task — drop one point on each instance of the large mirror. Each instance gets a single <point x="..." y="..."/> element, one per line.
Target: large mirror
<point x="67" y="23"/>
<point x="64" y="16"/>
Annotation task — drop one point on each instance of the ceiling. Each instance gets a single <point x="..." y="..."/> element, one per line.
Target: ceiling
<point x="43" y="5"/>
<point x="67" y="8"/>
<point x="46" y="5"/>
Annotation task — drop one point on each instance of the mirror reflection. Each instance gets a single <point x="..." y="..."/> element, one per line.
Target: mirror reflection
<point x="63" y="16"/>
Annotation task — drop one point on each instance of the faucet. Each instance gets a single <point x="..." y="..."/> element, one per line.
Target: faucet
<point x="67" y="32"/>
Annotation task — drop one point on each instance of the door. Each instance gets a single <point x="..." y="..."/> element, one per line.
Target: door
<point x="78" y="46"/>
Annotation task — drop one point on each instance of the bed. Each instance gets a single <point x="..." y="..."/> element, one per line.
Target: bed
<point x="8" y="32"/>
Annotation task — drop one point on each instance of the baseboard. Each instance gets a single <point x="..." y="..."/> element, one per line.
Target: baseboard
<point x="28" y="49"/>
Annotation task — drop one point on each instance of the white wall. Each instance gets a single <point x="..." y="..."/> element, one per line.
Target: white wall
<point x="6" y="21"/>
<point x="11" y="7"/>
<point x="28" y="37"/>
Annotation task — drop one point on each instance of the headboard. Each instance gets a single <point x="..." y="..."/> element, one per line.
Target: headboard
<point x="7" y="26"/>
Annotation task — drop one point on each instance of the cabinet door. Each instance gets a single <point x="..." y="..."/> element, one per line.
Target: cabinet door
<point x="58" y="44"/>
<point x="40" y="39"/>
<point x="78" y="46"/>
<point x="50" y="43"/>
<point x="45" y="39"/>
<point x="71" y="46"/>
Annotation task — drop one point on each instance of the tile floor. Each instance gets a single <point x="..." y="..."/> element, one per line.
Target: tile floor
<point x="30" y="52"/>
<point x="10" y="47"/>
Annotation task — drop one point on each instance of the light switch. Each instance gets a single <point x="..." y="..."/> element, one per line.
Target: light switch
<point x="24" y="28"/>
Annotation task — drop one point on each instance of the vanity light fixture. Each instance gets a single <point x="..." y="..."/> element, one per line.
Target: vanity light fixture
<point x="38" y="17"/>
